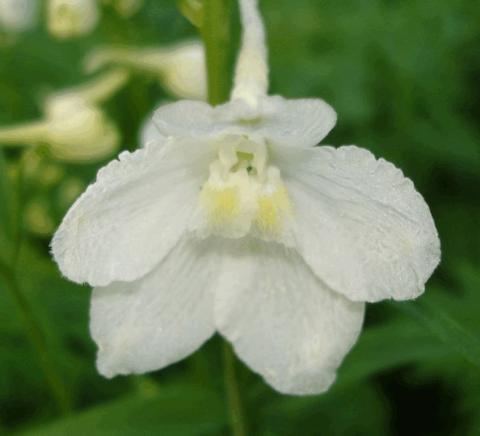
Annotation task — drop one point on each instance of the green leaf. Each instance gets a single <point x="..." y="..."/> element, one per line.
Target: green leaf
<point x="335" y="413"/>
<point x="192" y="10"/>
<point x="6" y="201"/>
<point x="387" y="347"/>
<point x="445" y="327"/>
<point x="175" y="410"/>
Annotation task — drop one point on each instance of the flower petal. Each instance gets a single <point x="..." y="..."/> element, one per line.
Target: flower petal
<point x="282" y="320"/>
<point x="149" y="134"/>
<point x="185" y="118"/>
<point x="159" y="319"/>
<point x="298" y="123"/>
<point x="361" y="225"/>
<point x="135" y="212"/>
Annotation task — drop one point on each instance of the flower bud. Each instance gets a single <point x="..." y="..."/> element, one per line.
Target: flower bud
<point x="180" y="67"/>
<point x="70" y="18"/>
<point x="17" y="15"/>
<point x="79" y="131"/>
<point x="73" y="128"/>
<point x="184" y="71"/>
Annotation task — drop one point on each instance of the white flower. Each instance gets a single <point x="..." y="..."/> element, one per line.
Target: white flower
<point x="70" y="18"/>
<point x="179" y="67"/>
<point x="17" y="15"/>
<point x="73" y="127"/>
<point x="233" y="221"/>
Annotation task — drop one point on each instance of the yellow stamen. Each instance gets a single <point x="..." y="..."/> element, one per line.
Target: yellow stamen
<point x="222" y="205"/>
<point x="272" y="209"/>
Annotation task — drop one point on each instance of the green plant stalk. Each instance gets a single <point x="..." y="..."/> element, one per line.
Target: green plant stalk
<point x="215" y="32"/>
<point x="23" y="134"/>
<point x="237" y="416"/>
<point x="33" y="327"/>
<point x="34" y="332"/>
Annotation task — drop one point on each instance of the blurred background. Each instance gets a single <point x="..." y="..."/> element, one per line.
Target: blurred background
<point x="403" y="76"/>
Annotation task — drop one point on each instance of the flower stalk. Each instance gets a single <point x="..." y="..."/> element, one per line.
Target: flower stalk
<point x="37" y="338"/>
<point x="23" y="134"/>
<point x="216" y="37"/>
<point x="237" y="416"/>
<point x="215" y="33"/>
<point x="101" y="88"/>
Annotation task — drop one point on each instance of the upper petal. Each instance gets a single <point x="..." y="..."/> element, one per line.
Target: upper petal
<point x="185" y="118"/>
<point x="299" y="123"/>
<point x="159" y="319"/>
<point x="296" y="123"/>
<point x="282" y="320"/>
<point x="149" y="134"/>
<point x="361" y="225"/>
<point x="134" y="213"/>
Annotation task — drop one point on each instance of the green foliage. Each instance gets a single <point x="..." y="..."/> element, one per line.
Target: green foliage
<point x="175" y="410"/>
<point x="402" y="75"/>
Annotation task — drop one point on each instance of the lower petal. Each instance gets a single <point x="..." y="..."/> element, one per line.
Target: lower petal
<point x="284" y="323"/>
<point x="159" y="319"/>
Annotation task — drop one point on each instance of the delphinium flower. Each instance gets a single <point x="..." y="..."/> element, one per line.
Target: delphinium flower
<point x="180" y="67"/>
<point x="233" y="221"/>
<point x="72" y="18"/>
<point x="17" y="15"/>
<point x="73" y="128"/>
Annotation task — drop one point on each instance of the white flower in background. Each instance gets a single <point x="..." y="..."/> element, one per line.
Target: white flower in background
<point x="71" y="18"/>
<point x="179" y="67"/>
<point x="233" y="221"/>
<point x="79" y="130"/>
<point x="74" y="128"/>
<point x="17" y="15"/>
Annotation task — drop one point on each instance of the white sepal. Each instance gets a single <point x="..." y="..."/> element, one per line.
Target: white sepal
<point x="159" y="319"/>
<point x="284" y="323"/>
<point x="135" y="212"/>
<point x="361" y="225"/>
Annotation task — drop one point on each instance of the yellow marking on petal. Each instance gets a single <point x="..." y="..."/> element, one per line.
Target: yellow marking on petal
<point x="272" y="209"/>
<point x="222" y="205"/>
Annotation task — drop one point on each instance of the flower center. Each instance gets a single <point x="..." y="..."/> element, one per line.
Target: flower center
<point x="244" y="193"/>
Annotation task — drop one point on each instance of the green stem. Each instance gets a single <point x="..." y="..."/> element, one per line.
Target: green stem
<point x="237" y="416"/>
<point x="217" y="38"/>
<point x="103" y="87"/>
<point x="23" y="134"/>
<point x="33" y="327"/>
<point x="34" y="332"/>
